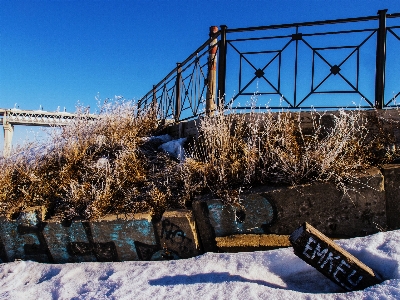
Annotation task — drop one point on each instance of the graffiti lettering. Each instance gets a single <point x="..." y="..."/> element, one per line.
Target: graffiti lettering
<point x="326" y="258"/>
<point x="35" y="249"/>
<point x="174" y="236"/>
<point x="145" y="251"/>
<point x="29" y="238"/>
<point x="102" y="251"/>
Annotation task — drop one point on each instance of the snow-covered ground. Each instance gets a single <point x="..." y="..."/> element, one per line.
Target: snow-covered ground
<point x="277" y="274"/>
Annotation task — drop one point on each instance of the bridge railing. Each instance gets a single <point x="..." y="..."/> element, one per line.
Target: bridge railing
<point x="350" y="63"/>
<point x="35" y="118"/>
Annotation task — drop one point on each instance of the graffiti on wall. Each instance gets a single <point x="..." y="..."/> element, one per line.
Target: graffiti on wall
<point x="256" y="216"/>
<point x="175" y="238"/>
<point x="117" y="240"/>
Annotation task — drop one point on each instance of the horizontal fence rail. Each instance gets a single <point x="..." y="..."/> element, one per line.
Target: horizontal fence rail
<point x="312" y="65"/>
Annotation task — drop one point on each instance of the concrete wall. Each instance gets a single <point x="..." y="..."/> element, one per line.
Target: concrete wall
<point x="268" y="216"/>
<point x="388" y="120"/>
<point x="113" y="238"/>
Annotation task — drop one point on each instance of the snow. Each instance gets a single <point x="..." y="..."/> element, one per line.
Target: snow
<point x="276" y="274"/>
<point x="175" y="148"/>
<point x="163" y="138"/>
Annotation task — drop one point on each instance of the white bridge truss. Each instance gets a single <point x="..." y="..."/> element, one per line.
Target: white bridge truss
<point x="11" y="117"/>
<point x="34" y="117"/>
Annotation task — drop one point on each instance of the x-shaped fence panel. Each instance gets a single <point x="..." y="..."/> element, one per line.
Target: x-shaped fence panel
<point x="310" y="65"/>
<point x="345" y="63"/>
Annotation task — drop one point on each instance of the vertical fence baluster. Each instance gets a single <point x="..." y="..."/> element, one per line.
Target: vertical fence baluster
<point x="222" y="67"/>
<point x="380" y="61"/>
<point x="295" y="68"/>
<point x="178" y="86"/>
<point x="154" y="107"/>
<point x="212" y="72"/>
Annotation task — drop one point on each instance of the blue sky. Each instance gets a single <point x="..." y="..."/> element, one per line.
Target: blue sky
<point x="56" y="53"/>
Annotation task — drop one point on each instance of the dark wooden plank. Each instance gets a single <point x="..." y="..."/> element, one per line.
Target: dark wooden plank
<point x="331" y="260"/>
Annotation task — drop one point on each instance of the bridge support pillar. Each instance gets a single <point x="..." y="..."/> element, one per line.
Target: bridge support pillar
<point x="8" y="134"/>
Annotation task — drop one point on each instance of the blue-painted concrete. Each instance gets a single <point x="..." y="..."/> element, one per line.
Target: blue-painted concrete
<point x="58" y="237"/>
<point x="124" y="233"/>
<point x="258" y="212"/>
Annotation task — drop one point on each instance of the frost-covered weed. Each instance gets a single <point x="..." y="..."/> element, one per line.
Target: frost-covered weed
<point x="237" y="151"/>
<point x="95" y="166"/>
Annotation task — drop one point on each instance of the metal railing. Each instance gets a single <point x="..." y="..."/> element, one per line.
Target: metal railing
<point x="351" y="63"/>
<point x="182" y="93"/>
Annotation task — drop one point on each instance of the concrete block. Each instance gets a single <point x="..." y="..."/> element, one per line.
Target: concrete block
<point x="362" y="211"/>
<point x="22" y="238"/>
<point x="177" y="232"/>
<point x="68" y="242"/>
<point x="257" y="214"/>
<point x="205" y="229"/>
<point x="392" y="193"/>
<point x="331" y="260"/>
<point x="124" y="233"/>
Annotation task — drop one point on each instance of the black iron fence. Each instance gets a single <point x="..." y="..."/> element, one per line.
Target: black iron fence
<point x="350" y="63"/>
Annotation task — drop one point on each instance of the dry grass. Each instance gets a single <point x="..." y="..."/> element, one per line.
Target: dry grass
<point x="92" y="168"/>
<point x="237" y="151"/>
<point x="95" y="167"/>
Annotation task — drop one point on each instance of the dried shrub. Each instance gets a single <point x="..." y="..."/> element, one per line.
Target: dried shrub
<point x="237" y="151"/>
<point x="92" y="167"/>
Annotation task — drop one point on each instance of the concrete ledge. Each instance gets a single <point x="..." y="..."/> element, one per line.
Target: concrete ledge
<point x="359" y="212"/>
<point x="247" y="242"/>
<point x="177" y="232"/>
<point x="279" y="211"/>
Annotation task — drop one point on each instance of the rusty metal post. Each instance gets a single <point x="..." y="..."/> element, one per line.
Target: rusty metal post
<point x="154" y="101"/>
<point x="380" y="61"/>
<point x="154" y="95"/>
<point x="178" y="87"/>
<point x="222" y="67"/>
<point x="212" y="71"/>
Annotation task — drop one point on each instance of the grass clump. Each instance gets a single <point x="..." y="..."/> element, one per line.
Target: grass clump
<point x="92" y="167"/>
<point x="237" y="151"/>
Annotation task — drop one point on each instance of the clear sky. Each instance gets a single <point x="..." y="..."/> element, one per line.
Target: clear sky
<point x="56" y="53"/>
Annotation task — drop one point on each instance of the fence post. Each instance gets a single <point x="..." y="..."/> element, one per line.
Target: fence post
<point x="380" y="60"/>
<point x="212" y="71"/>
<point x="178" y="86"/>
<point x="154" y="100"/>
<point x="222" y="67"/>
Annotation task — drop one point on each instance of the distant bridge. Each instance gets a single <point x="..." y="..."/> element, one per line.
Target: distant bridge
<point x="11" y="117"/>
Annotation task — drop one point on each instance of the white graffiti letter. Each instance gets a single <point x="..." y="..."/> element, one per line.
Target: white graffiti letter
<point x="329" y="258"/>
<point x="339" y="269"/>
<point x="318" y="252"/>
<point x="307" y="247"/>
<point x="351" y="281"/>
